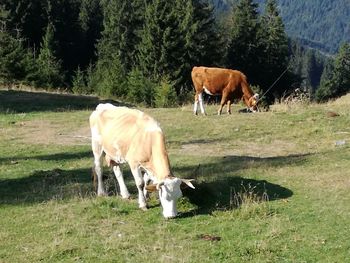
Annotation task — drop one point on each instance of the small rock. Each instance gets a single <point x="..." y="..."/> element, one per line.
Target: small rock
<point x="340" y="143"/>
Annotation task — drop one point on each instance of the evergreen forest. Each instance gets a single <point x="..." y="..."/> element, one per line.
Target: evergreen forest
<point x="142" y="51"/>
<point x="320" y="24"/>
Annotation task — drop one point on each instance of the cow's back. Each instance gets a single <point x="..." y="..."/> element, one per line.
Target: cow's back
<point x="123" y="130"/>
<point x="214" y="80"/>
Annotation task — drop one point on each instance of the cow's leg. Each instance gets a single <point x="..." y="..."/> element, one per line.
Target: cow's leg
<point x="222" y="103"/>
<point x="119" y="175"/>
<point x="200" y="99"/>
<point x="136" y="172"/>
<point x="229" y="106"/>
<point x="97" y="151"/>
<point x="195" y="107"/>
<point x="146" y="180"/>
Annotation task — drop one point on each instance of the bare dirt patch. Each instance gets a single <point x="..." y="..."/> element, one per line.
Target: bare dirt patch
<point x="47" y="132"/>
<point x="259" y="149"/>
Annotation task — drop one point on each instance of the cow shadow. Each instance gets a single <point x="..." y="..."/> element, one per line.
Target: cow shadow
<point x="231" y="193"/>
<point x="58" y="184"/>
<point x="15" y="101"/>
<point x="45" y="157"/>
<point x="45" y="185"/>
<point x="215" y="190"/>
<point x="219" y="183"/>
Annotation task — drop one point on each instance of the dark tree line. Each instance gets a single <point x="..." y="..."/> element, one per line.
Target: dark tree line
<point x="143" y="50"/>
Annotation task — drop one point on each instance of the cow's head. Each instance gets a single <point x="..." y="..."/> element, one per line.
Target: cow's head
<point x="169" y="192"/>
<point x="253" y="102"/>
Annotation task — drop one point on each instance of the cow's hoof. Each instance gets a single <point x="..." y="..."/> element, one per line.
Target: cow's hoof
<point x="102" y="194"/>
<point x="169" y="218"/>
<point x="126" y="197"/>
<point x="144" y="208"/>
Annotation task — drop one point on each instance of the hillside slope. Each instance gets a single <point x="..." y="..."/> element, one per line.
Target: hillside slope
<point x="320" y="24"/>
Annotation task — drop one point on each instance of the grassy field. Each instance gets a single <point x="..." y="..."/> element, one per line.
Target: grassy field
<point x="270" y="187"/>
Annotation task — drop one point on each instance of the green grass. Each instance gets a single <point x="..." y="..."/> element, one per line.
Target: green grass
<point x="271" y="186"/>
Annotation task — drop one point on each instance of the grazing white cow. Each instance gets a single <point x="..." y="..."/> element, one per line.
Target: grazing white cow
<point x="130" y="136"/>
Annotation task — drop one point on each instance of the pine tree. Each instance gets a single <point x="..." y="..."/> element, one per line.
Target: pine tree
<point x="176" y="36"/>
<point x="79" y="85"/>
<point x="338" y="82"/>
<point x="49" y="67"/>
<point x="202" y="43"/>
<point x="116" y="49"/>
<point x="16" y="62"/>
<point x="313" y="65"/>
<point x="140" y="88"/>
<point x="122" y="21"/>
<point x="243" y="48"/>
<point x="272" y="60"/>
<point x="63" y="15"/>
<point x="159" y="49"/>
<point x="29" y="17"/>
<point x="109" y="77"/>
<point x="91" y="19"/>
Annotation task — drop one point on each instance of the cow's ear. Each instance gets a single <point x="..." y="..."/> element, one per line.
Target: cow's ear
<point x="151" y="187"/>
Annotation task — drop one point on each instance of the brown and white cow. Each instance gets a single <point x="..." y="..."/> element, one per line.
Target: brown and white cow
<point x="130" y="136"/>
<point x="231" y="84"/>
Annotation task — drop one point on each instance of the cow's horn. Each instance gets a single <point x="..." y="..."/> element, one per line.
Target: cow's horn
<point x="188" y="182"/>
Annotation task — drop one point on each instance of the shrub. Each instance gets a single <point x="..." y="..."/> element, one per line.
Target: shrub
<point x="140" y="89"/>
<point x="165" y="95"/>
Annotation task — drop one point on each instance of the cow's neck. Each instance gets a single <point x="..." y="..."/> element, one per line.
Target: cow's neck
<point x="159" y="163"/>
<point x="247" y="94"/>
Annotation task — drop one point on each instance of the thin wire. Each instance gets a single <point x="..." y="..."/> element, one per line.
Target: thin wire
<point x="273" y="84"/>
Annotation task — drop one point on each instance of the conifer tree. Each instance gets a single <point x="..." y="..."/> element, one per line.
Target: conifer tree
<point x="336" y="82"/>
<point x="202" y="43"/>
<point x="272" y="40"/>
<point x="161" y="41"/>
<point x="91" y="19"/>
<point x="176" y="36"/>
<point x="15" y="61"/>
<point x="122" y="21"/>
<point x="243" y="47"/>
<point x="116" y="49"/>
<point x="140" y="88"/>
<point x="49" y="67"/>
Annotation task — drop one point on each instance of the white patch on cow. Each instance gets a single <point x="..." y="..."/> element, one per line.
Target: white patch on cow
<point x="101" y="107"/>
<point x="200" y="99"/>
<point x="119" y="175"/>
<point x="169" y="192"/>
<point x="207" y="91"/>
<point x="136" y="172"/>
<point x="141" y="114"/>
<point x="153" y="127"/>
<point x="95" y="135"/>
<point x="195" y="107"/>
